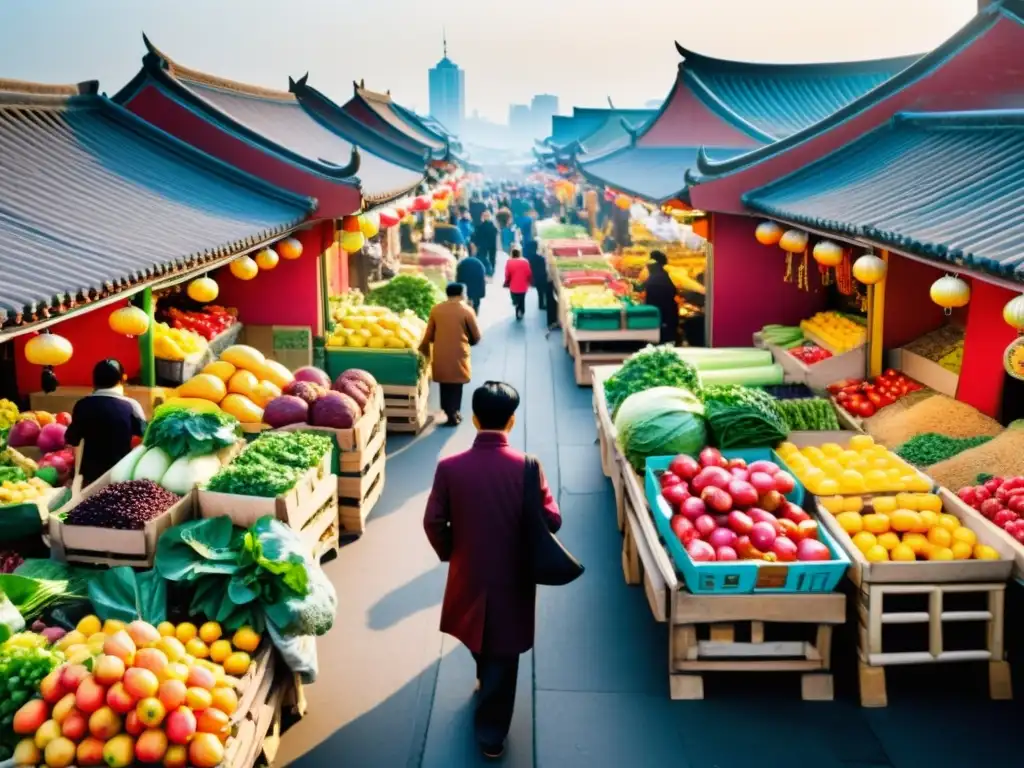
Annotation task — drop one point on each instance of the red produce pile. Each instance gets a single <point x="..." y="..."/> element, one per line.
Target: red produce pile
<point x="208" y="323"/>
<point x="865" y="398"/>
<point x="724" y="509"/>
<point x="9" y="561"/>
<point x="1001" y="501"/>
<point x="809" y="354"/>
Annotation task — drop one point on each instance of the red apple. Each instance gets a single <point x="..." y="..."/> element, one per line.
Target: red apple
<point x="676" y="494"/>
<point x="716" y="499"/>
<point x="812" y="549"/>
<point x="762" y="536"/>
<point x="700" y="551"/>
<point x="743" y="494"/>
<point x="763" y="465"/>
<point x="784" y="482"/>
<point x="725" y="554"/>
<point x="668" y="479"/>
<point x="711" y="457"/>
<point x="684" y="466"/>
<point x="704" y="524"/>
<point x="740" y="522"/>
<point x="785" y="549"/>
<point x="762" y="482"/>
<point x="683" y="529"/>
<point x="693" y="508"/>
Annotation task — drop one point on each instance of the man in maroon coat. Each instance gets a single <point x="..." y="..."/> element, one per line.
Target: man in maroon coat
<point x="474" y="522"/>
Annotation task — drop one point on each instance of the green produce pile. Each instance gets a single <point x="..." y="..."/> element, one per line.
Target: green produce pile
<point x="650" y="367"/>
<point x="810" y="414"/>
<point x="930" y="448"/>
<point x="785" y="336"/>
<point x="740" y="417"/>
<point x="570" y="265"/>
<point x="404" y="292"/>
<point x="41" y="585"/>
<point x="556" y="231"/>
<point x="24" y="662"/>
<point x="299" y="450"/>
<point x="12" y="474"/>
<point x="256" y="477"/>
<point x="181" y="431"/>
<point x="663" y="421"/>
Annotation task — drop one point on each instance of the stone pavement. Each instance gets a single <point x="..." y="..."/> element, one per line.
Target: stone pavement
<point x="395" y="693"/>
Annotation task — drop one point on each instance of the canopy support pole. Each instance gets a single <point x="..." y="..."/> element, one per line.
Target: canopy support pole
<point x="147" y="363"/>
<point x="876" y="323"/>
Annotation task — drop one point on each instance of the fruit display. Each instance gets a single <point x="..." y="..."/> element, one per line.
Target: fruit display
<point x="838" y="332"/>
<point x="864" y="398"/>
<point x="313" y="399"/>
<point x="21" y="491"/>
<point x="861" y="467"/>
<point x="147" y="695"/>
<point x="8" y="414"/>
<point x="407" y="292"/>
<point x="241" y="382"/>
<point x="785" y="336"/>
<point x="905" y="528"/>
<point x="809" y="354"/>
<point x="374" y="327"/>
<point x="25" y="661"/>
<point x="171" y="343"/>
<point x="39" y="429"/>
<point x="208" y="323"/>
<point x="726" y="510"/>
<point x="944" y="346"/>
<point x="1000" y="500"/>
<point x="592" y="297"/>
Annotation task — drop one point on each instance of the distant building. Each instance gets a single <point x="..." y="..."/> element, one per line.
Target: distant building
<point x="543" y="107"/>
<point x="520" y="119"/>
<point x="448" y="92"/>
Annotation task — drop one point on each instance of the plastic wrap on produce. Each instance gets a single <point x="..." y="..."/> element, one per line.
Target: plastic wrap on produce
<point x="299" y="653"/>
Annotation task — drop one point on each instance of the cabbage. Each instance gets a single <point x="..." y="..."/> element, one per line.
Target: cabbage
<point x="663" y="421"/>
<point x="189" y="471"/>
<point x="152" y="466"/>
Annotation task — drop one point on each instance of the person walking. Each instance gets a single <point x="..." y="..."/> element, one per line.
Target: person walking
<point x="472" y="273"/>
<point x="452" y="330"/>
<point x="477" y="206"/>
<point x="465" y="224"/>
<point x="106" y="421"/>
<point x="660" y="292"/>
<point x="474" y="522"/>
<point x="527" y="225"/>
<point x="517" y="279"/>
<point x="485" y="238"/>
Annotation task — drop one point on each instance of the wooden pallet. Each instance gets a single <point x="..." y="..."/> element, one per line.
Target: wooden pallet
<point x="407" y="408"/>
<point x="990" y="599"/>
<point x="605" y="427"/>
<point x="645" y="561"/>
<point x="584" y="347"/>
<point x="358" y="495"/>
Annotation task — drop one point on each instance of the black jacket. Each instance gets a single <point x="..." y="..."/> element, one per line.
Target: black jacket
<point x="661" y="293"/>
<point x="107" y="424"/>
<point x="472" y="274"/>
<point x="485" y="237"/>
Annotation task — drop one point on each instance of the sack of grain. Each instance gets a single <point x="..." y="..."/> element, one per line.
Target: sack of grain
<point x="944" y="415"/>
<point x="1003" y="456"/>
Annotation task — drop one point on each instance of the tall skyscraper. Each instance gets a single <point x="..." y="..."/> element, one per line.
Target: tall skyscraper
<point x="448" y="92"/>
<point x="543" y="107"/>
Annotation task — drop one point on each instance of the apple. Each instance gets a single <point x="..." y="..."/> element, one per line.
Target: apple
<point x="722" y="537"/>
<point x="784" y="482"/>
<point x="684" y="466"/>
<point x="700" y="551"/>
<point x="684" y="529"/>
<point x="785" y="549"/>
<point x="711" y="476"/>
<point x="740" y="522"/>
<point x="762" y="482"/>
<point x="762" y="536"/>
<point x="716" y="499"/>
<point x="743" y="493"/>
<point x="763" y="465"/>
<point x="675" y="495"/>
<point x="812" y="549"/>
<point x="667" y="479"/>
<point x="793" y="512"/>
<point x="725" y="554"/>
<point x="704" y="524"/>
<point x="712" y="457"/>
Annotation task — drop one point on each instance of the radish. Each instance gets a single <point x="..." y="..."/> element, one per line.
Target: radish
<point x="700" y="551"/>
<point x="768" y="467"/>
<point x="793" y="512"/>
<point x="726" y="554"/>
<point x="762" y="536"/>
<point x="711" y="476"/>
<point x="684" y="466"/>
<point x="740" y="522"/>
<point x="722" y="537"/>
<point x="669" y="478"/>
<point x="712" y="457"/>
<point x="692" y="508"/>
<point x="762" y="482"/>
<point x="683" y="529"/>
<point x="705" y="524"/>
<point x="784" y="549"/>
<point x="812" y="549"/>
<point x="784" y="482"/>
<point x="675" y="495"/>
<point x="716" y="499"/>
<point x="743" y="493"/>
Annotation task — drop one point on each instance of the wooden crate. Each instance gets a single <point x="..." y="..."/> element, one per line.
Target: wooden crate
<point x="351" y="444"/>
<point x="407" y="408"/>
<point x="585" y="358"/>
<point x="296" y="507"/>
<point x="652" y="567"/>
<point x="605" y="426"/>
<point x="359" y="491"/>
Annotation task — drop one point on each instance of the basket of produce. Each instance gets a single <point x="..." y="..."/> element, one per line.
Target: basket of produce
<point x="731" y="523"/>
<point x="863" y="398"/>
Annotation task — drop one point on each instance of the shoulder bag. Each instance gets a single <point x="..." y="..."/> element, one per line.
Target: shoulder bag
<point x="548" y="562"/>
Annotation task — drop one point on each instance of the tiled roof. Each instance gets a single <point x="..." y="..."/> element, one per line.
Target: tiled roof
<point x="946" y="186"/>
<point x="382" y="104"/>
<point x="585" y="121"/>
<point x="94" y="200"/>
<point x="613" y="134"/>
<point x="656" y="174"/>
<point x="771" y="101"/>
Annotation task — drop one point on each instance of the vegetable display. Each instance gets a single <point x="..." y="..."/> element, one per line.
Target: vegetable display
<point x="784" y="336"/>
<point x="123" y="506"/>
<point x="299" y="450"/>
<point x="739" y="417"/>
<point x="861" y="466"/>
<point x="42" y="585"/>
<point x="662" y="421"/>
<point x="650" y="367"/>
<point x="407" y="292"/>
<point x="761" y="376"/>
<point x="179" y="431"/>
<point x="22" y="669"/>
<point x="724" y="358"/>
<point x="808" y="414"/>
<point x="1000" y="500"/>
<point x="254" y="477"/>
<point x="864" y="398"/>
<point x="930" y="448"/>
<point x="809" y="354"/>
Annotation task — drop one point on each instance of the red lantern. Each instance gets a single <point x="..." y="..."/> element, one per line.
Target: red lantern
<point x="401" y="212"/>
<point x="441" y="194"/>
<point x="421" y="203"/>
<point x="388" y="218"/>
<point x="350" y="224"/>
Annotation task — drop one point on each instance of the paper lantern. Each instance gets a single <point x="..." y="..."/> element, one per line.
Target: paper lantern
<point x="768" y="233"/>
<point x="442" y="193"/>
<point x="388" y="218"/>
<point x="48" y="349"/>
<point x="401" y="212"/>
<point x="622" y="202"/>
<point x="869" y="269"/>
<point x="421" y="203"/>
<point x="439" y="205"/>
<point x="203" y="289"/>
<point x="793" y="241"/>
<point x="352" y="242"/>
<point x="950" y="292"/>
<point x="128" y="321"/>
<point x="266" y="259"/>
<point x="369" y="224"/>
<point x="290" y="248"/>
<point x="827" y="253"/>
<point x="1013" y="313"/>
<point x="244" y="268"/>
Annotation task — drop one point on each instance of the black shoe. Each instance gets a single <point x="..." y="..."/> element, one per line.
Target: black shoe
<point x="493" y="752"/>
<point x="457" y="418"/>
<point x="451" y="421"/>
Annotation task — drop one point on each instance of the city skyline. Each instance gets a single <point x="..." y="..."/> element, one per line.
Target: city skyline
<point x="446" y="86"/>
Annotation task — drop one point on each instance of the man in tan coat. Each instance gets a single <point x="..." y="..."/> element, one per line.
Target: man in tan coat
<point x="452" y="329"/>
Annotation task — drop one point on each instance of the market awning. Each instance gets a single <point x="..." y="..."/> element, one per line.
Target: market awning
<point x="385" y="109"/>
<point x="944" y="186"/>
<point x="95" y="201"/>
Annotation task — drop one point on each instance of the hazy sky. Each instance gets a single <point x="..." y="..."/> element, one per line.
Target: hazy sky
<point x="581" y="50"/>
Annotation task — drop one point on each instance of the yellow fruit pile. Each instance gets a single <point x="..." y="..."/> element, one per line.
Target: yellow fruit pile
<point x="8" y="414"/>
<point x="367" y="326"/>
<point x="862" y="467"/>
<point x="905" y="528"/>
<point x="22" y="490"/>
<point x="839" y="333"/>
<point x="240" y="383"/>
<point x="177" y="343"/>
<point x="592" y="297"/>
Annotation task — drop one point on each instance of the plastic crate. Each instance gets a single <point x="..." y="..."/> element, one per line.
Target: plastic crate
<point x="744" y="576"/>
<point x="597" y="319"/>
<point x="400" y="367"/>
<point x="642" y="318"/>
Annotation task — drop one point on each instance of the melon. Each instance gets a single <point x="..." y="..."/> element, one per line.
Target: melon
<point x="205" y="386"/>
<point x="243" y="356"/>
<point x="242" y="408"/>
<point x="274" y="372"/>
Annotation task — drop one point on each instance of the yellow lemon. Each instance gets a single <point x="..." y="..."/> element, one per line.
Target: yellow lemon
<point x="814" y="453"/>
<point x="902" y="553"/>
<point x="965" y="535"/>
<point x="884" y="504"/>
<point x="112" y="626"/>
<point x="985" y="552"/>
<point x="196" y="647"/>
<point x="831" y="449"/>
<point x="917" y="483"/>
<point x="949" y="522"/>
<point x="930" y="502"/>
<point x="851" y="522"/>
<point x="929" y="518"/>
<point x="864" y="541"/>
<point x="833" y="504"/>
<point x="962" y="550"/>
<point x="165" y="628"/>
<point x="172" y="647"/>
<point x="940" y="553"/>
<point x="861" y="442"/>
<point x="220" y="650"/>
<point x="917" y="542"/>
<point x="907" y="501"/>
<point x="237" y="664"/>
<point x="186" y="631"/>
<point x="889" y="540"/>
<point x="786" y="448"/>
<point x="245" y="639"/>
<point x="853" y="504"/>
<point x="852" y="481"/>
<point x="875" y="479"/>
<point x="210" y="632"/>
<point x="828" y="487"/>
<point x="89" y="625"/>
<point x="905" y="520"/>
<point x="940" y="537"/>
<point x="846" y="457"/>
<point x="876" y="523"/>
<point x="877" y="554"/>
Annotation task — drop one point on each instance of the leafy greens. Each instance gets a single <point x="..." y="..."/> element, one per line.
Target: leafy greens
<point x="650" y="367"/>
<point x="404" y="292"/>
<point x="300" y="450"/>
<point x="121" y="593"/>
<point x="742" y="417"/>
<point x="181" y="431"/>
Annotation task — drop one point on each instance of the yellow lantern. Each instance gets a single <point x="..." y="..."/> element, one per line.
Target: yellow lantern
<point x="793" y="241"/>
<point x="827" y="253"/>
<point x="950" y="292"/>
<point x="768" y="233"/>
<point x="439" y="205"/>
<point x="623" y="202"/>
<point x="869" y="269"/>
<point x="244" y="268"/>
<point x="128" y="321"/>
<point x="352" y="242"/>
<point x="204" y="290"/>
<point x="1013" y="313"/>
<point x="290" y="248"/>
<point x="48" y="349"/>
<point x="266" y="259"/>
<point x="369" y="224"/>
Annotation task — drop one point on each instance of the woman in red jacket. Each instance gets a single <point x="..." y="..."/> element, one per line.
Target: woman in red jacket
<point x="518" y="277"/>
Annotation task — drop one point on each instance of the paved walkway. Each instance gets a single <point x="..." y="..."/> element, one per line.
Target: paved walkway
<point x="395" y="693"/>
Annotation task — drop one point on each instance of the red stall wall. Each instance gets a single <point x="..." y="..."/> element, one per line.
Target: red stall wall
<point x="748" y="290"/>
<point x="92" y="341"/>
<point x="909" y="312"/>
<point x="981" y="378"/>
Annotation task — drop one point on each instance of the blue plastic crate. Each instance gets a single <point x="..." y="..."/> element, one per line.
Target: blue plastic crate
<point x="743" y="576"/>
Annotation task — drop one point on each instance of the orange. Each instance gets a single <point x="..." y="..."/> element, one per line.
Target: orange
<point x="865" y="540"/>
<point x="929" y="501"/>
<point x="985" y="552"/>
<point x="889" y="540"/>
<point x="186" y="631"/>
<point x="907" y="501"/>
<point x="884" y="504"/>
<point x="965" y="535"/>
<point x="210" y="632"/>
<point x="905" y="520"/>
<point x="851" y="522"/>
<point x="940" y="537"/>
<point x="876" y="523"/>
<point x="853" y="504"/>
<point x="940" y="553"/>
<point x="929" y="518"/>
<point x="902" y="553"/>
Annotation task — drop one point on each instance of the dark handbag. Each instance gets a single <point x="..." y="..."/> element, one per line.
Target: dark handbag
<point x="548" y="562"/>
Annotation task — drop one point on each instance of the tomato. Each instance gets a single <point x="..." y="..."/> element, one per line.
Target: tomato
<point x="892" y="373"/>
<point x="886" y="400"/>
<point x="863" y="409"/>
<point x="875" y="399"/>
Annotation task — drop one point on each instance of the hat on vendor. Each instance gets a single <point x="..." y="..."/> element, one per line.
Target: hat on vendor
<point x="657" y="257"/>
